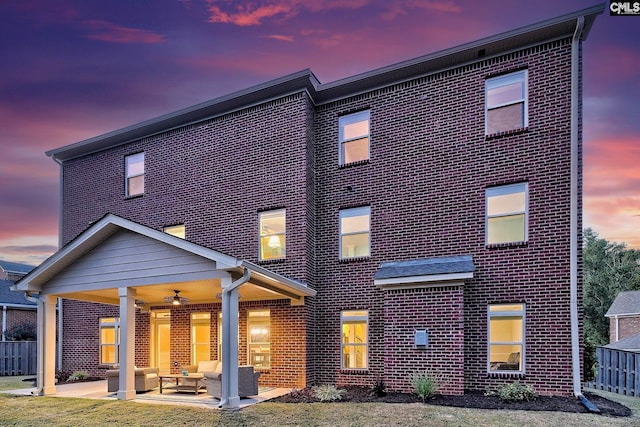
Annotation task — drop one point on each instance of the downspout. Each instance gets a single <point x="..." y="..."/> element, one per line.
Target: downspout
<point x="575" y="115"/>
<point x="226" y="292"/>
<point x="40" y="345"/>
<point x="60" y="325"/>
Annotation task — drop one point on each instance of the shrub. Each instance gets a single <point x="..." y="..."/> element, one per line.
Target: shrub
<point x="326" y="393"/>
<point x="425" y="384"/>
<point x="516" y="392"/>
<point x="379" y="388"/>
<point x="302" y="394"/>
<point x="24" y="331"/>
<point x="78" y="376"/>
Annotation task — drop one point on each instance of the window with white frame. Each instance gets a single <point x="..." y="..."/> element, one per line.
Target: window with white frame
<point x="200" y="337"/>
<point x="354" y="325"/>
<point x="272" y="234"/>
<point x="259" y="338"/>
<point x="134" y="183"/>
<point x="109" y="340"/>
<point x="506" y="102"/>
<point x="354" y="137"/>
<point x="355" y="232"/>
<point x="506" y="350"/>
<point x="175" y="230"/>
<point x="507" y="211"/>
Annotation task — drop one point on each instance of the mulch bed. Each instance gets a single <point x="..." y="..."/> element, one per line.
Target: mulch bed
<point x="474" y="399"/>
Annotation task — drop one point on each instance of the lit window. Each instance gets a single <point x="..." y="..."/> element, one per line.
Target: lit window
<point x="507" y="213"/>
<point x="354" y="232"/>
<point x="506" y="338"/>
<point x="259" y="338"/>
<point x="220" y="335"/>
<point x="272" y="234"/>
<point x="354" y="325"/>
<point x="354" y="137"/>
<point x="109" y="340"/>
<point x="200" y="337"/>
<point x="176" y="230"/>
<point x="506" y="102"/>
<point x="135" y="174"/>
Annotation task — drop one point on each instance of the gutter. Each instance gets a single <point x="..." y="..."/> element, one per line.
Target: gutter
<point x="575" y="113"/>
<point x="226" y="318"/>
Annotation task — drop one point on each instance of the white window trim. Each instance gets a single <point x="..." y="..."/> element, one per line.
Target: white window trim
<point x="502" y="190"/>
<point x="344" y="317"/>
<point x="347" y="120"/>
<point x="354" y="212"/>
<point x="250" y="342"/>
<point x="525" y="101"/>
<point x="284" y="233"/>
<point x="194" y="323"/>
<point x="512" y="313"/>
<point x="127" y="176"/>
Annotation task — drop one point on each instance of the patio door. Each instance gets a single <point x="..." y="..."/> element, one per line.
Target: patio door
<point x="161" y="341"/>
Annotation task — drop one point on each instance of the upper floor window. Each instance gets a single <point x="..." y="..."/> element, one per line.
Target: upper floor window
<point x="135" y="174"/>
<point x="507" y="213"/>
<point x="272" y="234"/>
<point x="506" y="337"/>
<point x="506" y="102"/>
<point x="354" y="342"/>
<point x="355" y="232"/>
<point x="354" y="137"/>
<point x="176" y="230"/>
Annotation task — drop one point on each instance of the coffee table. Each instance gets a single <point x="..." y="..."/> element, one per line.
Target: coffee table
<point x="178" y="379"/>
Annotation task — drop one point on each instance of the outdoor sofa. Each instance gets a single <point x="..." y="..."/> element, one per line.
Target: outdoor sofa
<point x="247" y="382"/>
<point x="145" y="379"/>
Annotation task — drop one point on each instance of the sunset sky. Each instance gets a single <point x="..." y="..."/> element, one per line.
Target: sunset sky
<point x="74" y="69"/>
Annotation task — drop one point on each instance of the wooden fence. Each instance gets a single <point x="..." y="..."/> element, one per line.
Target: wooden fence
<point x="618" y="371"/>
<point x="18" y="358"/>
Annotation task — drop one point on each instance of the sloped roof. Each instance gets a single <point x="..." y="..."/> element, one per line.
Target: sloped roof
<point x="7" y="296"/>
<point x="479" y="50"/>
<point x="15" y="268"/>
<point x="428" y="270"/>
<point x="631" y="343"/>
<point x="626" y="303"/>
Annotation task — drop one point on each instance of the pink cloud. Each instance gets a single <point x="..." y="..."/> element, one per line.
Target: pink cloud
<point x="400" y="8"/>
<point x="112" y="33"/>
<point x="280" y="37"/>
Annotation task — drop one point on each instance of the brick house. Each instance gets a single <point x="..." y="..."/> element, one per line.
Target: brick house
<point x="420" y="216"/>
<point x="624" y="319"/>
<point x="16" y="308"/>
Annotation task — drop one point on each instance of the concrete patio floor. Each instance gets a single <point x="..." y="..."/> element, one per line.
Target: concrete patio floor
<point x="98" y="390"/>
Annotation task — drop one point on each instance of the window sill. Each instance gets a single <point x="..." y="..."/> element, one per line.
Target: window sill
<point x="272" y="261"/>
<point x="506" y="374"/>
<point x="358" y="163"/>
<point x="364" y="371"/>
<point x="137" y="196"/>
<point x="506" y="133"/>
<point x="354" y="259"/>
<point x="507" y="245"/>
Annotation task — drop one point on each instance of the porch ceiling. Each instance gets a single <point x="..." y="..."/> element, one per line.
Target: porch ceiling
<point x="115" y="253"/>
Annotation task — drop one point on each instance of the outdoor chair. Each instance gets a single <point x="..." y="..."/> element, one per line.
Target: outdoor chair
<point x="145" y="379"/>
<point x="247" y="382"/>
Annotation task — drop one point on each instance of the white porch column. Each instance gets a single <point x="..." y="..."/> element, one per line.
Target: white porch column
<point x="47" y="339"/>
<point x="229" y="397"/>
<point x="126" y="385"/>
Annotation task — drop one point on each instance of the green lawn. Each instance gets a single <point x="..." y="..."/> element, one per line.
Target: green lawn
<point x="52" y="411"/>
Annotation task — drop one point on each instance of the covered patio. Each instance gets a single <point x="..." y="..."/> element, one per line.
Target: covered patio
<point x="119" y="262"/>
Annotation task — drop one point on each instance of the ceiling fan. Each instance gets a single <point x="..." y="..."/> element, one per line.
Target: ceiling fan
<point x="176" y="299"/>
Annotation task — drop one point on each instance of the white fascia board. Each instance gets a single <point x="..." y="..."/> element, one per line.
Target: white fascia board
<point x="431" y="278"/>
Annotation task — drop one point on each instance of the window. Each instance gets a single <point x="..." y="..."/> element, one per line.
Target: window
<point x="354" y="343"/>
<point x="109" y="340"/>
<point x="506" y="102"/>
<point x="506" y="338"/>
<point x="354" y="137"/>
<point x="507" y="213"/>
<point x="135" y="174"/>
<point x="272" y="234"/>
<point x="354" y="232"/>
<point x="175" y="230"/>
<point x="259" y="338"/>
<point x="200" y="337"/>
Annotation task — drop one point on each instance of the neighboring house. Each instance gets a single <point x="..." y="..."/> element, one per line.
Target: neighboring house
<point x="421" y="216"/>
<point x="624" y="316"/>
<point x="16" y="308"/>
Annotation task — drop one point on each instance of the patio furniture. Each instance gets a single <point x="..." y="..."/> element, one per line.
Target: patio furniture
<point x="512" y="363"/>
<point x="145" y="379"/>
<point x="247" y="382"/>
<point x="198" y="381"/>
<point x="191" y="382"/>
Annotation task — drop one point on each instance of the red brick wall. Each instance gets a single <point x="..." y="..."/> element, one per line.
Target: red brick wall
<point x="627" y="326"/>
<point x="16" y="316"/>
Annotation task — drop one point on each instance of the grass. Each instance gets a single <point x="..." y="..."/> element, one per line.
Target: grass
<point x="55" y="411"/>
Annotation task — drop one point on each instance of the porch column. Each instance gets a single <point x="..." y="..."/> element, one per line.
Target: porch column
<point x="47" y="341"/>
<point x="126" y="384"/>
<point x="229" y="346"/>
